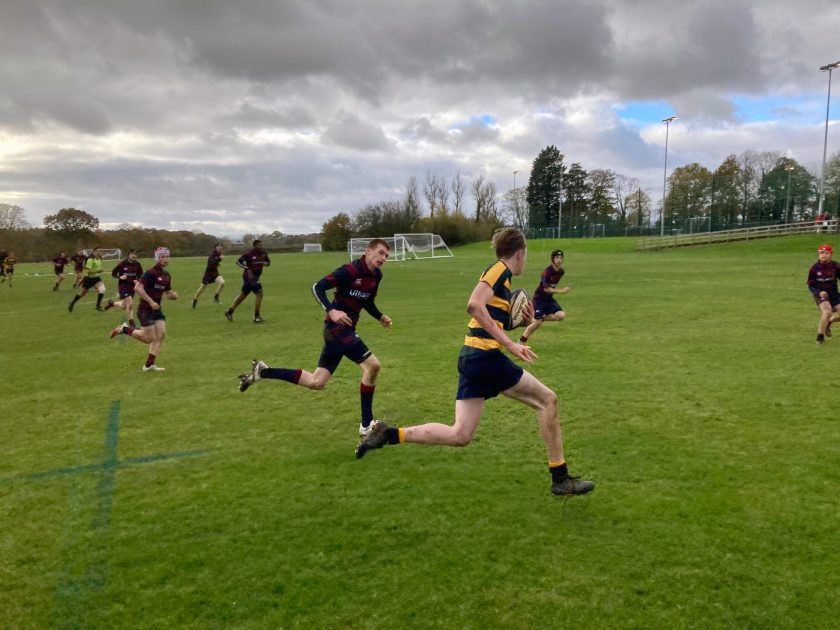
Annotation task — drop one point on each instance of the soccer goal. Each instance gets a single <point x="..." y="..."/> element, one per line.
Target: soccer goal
<point x="425" y="245"/>
<point x="596" y="230"/>
<point x="107" y="254"/>
<point x="311" y="247"/>
<point x="357" y="246"/>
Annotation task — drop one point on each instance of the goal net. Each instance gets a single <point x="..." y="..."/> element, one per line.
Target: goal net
<point x="311" y="247"/>
<point x="107" y="254"/>
<point x="357" y="246"/>
<point x="425" y="245"/>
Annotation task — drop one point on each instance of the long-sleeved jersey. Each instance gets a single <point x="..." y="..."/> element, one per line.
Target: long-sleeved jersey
<point x="355" y="289"/>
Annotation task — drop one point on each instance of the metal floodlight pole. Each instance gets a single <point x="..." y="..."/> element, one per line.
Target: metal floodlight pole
<point x="560" y="208"/>
<point x="515" y="198"/>
<point x="667" y="122"/>
<point x="828" y="68"/>
<point x="788" y="168"/>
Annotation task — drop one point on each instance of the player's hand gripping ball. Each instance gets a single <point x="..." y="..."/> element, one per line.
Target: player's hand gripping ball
<point x="517" y="314"/>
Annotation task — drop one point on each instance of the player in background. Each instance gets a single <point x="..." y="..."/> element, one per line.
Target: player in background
<point x="9" y="262"/>
<point x="126" y="272"/>
<point x="3" y="255"/>
<point x="151" y="287"/>
<point x="822" y="283"/>
<point x="545" y="308"/>
<point x="356" y="285"/>
<point x="211" y="275"/>
<point x="252" y="263"/>
<point x="59" y="263"/>
<point x="485" y="371"/>
<point x="78" y="260"/>
<point x="93" y="279"/>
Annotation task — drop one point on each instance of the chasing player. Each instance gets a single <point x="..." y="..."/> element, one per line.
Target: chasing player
<point x="485" y="371"/>
<point x="93" y="279"/>
<point x="211" y="275"/>
<point x="126" y="272"/>
<point x="822" y="283"/>
<point x="151" y="287"/>
<point x="78" y="260"/>
<point x="545" y="308"/>
<point x="59" y="262"/>
<point x="252" y="263"/>
<point x="356" y="285"/>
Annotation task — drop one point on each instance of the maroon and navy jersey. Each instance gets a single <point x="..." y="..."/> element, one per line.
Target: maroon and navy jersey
<point x="59" y="262"/>
<point x="156" y="281"/>
<point x="130" y="269"/>
<point x="78" y="261"/>
<point x="823" y="277"/>
<point x="254" y="262"/>
<point x="549" y="278"/>
<point x="355" y="289"/>
<point x="213" y="261"/>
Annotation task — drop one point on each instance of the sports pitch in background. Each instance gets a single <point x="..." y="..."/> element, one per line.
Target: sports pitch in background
<point x="690" y="390"/>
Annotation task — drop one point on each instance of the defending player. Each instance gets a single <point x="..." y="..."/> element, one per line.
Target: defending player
<point x="93" y="279"/>
<point x="151" y="287"/>
<point x="356" y="285"/>
<point x="211" y="275"/>
<point x="545" y="308"/>
<point x="252" y="263"/>
<point x="9" y="262"/>
<point x="59" y="262"/>
<point x="78" y="259"/>
<point x="485" y="371"/>
<point x="822" y="283"/>
<point x="126" y="272"/>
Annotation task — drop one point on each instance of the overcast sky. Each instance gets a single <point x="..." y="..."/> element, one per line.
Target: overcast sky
<point x="262" y="115"/>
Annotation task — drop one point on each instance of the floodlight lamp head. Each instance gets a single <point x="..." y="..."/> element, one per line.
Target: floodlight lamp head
<point x="830" y="66"/>
<point x="669" y="120"/>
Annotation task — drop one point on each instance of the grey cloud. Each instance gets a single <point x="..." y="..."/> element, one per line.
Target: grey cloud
<point x="250" y="115"/>
<point x="349" y="130"/>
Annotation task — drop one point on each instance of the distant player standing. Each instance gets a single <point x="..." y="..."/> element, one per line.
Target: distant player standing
<point x="211" y="275"/>
<point x="252" y="263"/>
<point x="152" y="287"/>
<point x="485" y="371"/>
<point x="93" y="279"/>
<point x="356" y="285"/>
<point x="545" y="308"/>
<point x="822" y="283"/>
<point x="59" y="263"/>
<point x="9" y="262"/>
<point x="126" y="272"/>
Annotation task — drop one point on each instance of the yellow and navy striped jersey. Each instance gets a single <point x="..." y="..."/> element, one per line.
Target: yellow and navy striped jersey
<point x="498" y="277"/>
<point x="9" y="262"/>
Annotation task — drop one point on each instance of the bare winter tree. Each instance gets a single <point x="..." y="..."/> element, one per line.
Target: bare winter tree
<point x="458" y="191"/>
<point x="484" y="196"/>
<point x="12" y="217"/>
<point x="411" y="203"/>
<point x="436" y="192"/>
<point x="622" y="187"/>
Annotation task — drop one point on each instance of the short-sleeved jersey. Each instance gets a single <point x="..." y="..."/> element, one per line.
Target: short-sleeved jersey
<point x="131" y="269"/>
<point x="156" y="281"/>
<point x="549" y="279"/>
<point x="9" y="262"/>
<point x="59" y="262"/>
<point x="213" y="261"/>
<point x="78" y="262"/>
<point x="93" y="267"/>
<point x="254" y="262"/>
<point x="498" y="277"/>
<point x="823" y="276"/>
<point x="355" y="287"/>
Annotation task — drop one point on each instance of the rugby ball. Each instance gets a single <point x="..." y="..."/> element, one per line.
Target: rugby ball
<point x="516" y="314"/>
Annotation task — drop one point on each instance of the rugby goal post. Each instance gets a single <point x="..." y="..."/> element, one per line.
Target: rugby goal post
<point x="425" y="245"/>
<point x="357" y="246"/>
<point x="311" y="247"/>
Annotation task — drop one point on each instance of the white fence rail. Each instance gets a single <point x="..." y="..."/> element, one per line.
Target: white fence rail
<point x="741" y="234"/>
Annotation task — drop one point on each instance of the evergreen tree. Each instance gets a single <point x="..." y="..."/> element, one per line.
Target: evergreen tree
<point x="545" y="188"/>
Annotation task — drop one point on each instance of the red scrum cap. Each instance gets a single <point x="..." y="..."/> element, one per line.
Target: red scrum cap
<point x="825" y="247"/>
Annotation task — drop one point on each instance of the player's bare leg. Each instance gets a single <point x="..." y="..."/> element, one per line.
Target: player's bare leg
<point x="232" y="307"/>
<point x="257" y="302"/>
<point x="220" y="285"/>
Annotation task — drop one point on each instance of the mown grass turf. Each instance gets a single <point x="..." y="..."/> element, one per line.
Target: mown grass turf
<point x="691" y="391"/>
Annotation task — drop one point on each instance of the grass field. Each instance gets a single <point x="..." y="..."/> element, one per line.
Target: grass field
<point x="691" y="392"/>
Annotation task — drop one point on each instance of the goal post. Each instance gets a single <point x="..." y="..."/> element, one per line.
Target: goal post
<point x="425" y="245"/>
<point x="107" y="254"/>
<point x="357" y="246"/>
<point x="311" y="247"/>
